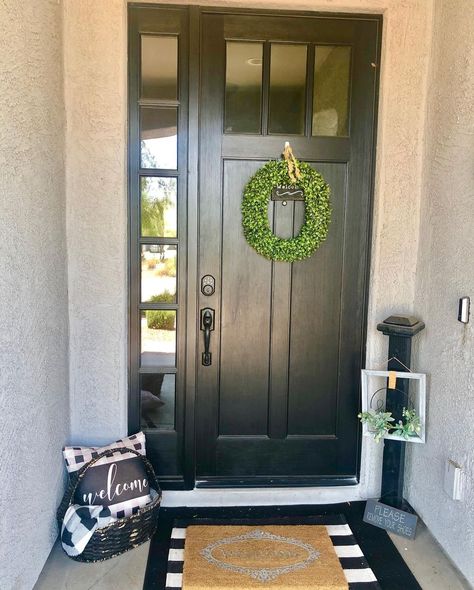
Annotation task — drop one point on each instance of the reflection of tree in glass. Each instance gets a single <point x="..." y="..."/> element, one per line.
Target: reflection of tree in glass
<point x="153" y="208"/>
<point x="148" y="159"/>
<point x="156" y="198"/>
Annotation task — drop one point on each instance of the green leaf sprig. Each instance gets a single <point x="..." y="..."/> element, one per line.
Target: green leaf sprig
<point x="382" y="423"/>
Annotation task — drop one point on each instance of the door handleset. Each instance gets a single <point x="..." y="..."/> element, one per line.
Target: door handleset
<point x="207" y="325"/>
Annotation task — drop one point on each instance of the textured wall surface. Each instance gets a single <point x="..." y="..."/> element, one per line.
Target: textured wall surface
<point x="34" y="410"/>
<point x="95" y="92"/>
<point x="445" y="273"/>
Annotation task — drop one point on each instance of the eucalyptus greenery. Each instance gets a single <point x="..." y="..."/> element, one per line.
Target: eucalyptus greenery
<point x="411" y="426"/>
<point x="257" y="230"/>
<point x="382" y="423"/>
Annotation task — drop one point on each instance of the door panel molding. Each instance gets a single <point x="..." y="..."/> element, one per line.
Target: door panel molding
<point x="328" y="149"/>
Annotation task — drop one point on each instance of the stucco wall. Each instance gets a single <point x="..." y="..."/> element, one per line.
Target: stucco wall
<point x="445" y="273"/>
<point x="34" y="408"/>
<point x="95" y="93"/>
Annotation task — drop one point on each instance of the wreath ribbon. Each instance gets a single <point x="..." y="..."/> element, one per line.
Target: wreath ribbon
<point x="293" y="168"/>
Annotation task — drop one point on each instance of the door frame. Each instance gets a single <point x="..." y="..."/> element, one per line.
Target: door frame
<point x="189" y="364"/>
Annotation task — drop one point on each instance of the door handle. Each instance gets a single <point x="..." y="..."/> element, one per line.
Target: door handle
<point x="207" y="325"/>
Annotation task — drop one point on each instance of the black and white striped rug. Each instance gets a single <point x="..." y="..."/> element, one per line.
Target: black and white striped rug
<point x="357" y="570"/>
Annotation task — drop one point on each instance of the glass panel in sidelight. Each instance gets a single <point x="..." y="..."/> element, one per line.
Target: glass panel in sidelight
<point x="158" y="270"/>
<point x="332" y="65"/>
<point x="158" y="138"/>
<point x="243" y="87"/>
<point x="287" y="89"/>
<point x="158" y="337"/>
<point x="158" y="207"/>
<point x="159" y="67"/>
<point x="157" y="400"/>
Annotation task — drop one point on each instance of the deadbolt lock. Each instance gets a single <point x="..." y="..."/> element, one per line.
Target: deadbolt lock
<point x="208" y="285"/>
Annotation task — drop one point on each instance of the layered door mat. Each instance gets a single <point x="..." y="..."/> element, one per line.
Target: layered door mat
<point x="279" y="548"/>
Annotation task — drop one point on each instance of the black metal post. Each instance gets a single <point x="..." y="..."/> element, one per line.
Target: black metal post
<point x="400" y="330"/>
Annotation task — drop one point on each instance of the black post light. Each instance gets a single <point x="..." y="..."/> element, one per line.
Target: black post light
<point x="400" y="331"/>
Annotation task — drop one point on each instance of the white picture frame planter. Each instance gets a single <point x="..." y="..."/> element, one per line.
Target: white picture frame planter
<point x="374" y="398"/>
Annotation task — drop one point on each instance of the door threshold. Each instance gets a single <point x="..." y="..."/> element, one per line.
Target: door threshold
<point x="276" y="482"/>
<point x="215" y="497"/>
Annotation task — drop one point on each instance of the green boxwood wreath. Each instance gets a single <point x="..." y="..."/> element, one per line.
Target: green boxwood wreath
<point x="257" y="230"/>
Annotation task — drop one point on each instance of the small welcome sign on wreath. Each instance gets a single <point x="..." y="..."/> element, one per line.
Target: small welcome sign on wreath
<point x="296" y="180"/>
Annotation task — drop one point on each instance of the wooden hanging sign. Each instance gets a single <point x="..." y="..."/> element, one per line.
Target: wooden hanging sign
<point x="287" y="193"/>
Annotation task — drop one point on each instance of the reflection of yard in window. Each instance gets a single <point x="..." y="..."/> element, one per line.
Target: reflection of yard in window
<point x="159" y="274"/>
<point x="156" y="339"/>
<point x="158" y="207"/>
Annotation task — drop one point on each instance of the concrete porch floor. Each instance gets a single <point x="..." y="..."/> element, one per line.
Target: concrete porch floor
<point x="431" y="567"/>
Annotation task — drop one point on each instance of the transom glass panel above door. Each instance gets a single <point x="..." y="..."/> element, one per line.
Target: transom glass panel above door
<point x="305" y="90"/>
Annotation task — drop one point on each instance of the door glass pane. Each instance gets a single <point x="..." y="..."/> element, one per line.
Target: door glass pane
<point x="159" y="68"/>
<point x="158" y="338"/>
<point x="158" y="207"/>
<point x="158" y="273"/>
<point x="158" y="137"/>
<point x="332" y="66"/>
<point x="287" y="89"/>
<point x="243" y="87"/>
<point x="157" y="400"/>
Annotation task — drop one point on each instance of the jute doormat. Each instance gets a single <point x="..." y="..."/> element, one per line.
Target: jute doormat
<point x="247" y="556"/>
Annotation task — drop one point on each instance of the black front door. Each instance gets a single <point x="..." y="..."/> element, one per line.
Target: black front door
<point x="280" y="400"/>
<point x="278" y="403"/>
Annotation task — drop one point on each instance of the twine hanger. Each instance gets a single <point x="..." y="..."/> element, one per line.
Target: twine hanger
<point x="393" y="358"/>
<point x="293" y="169"/>
<point x="392" y="377"/>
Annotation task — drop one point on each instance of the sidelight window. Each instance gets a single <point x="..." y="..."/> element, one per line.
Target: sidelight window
<point x="158" y="338"/>
<point x="159" y="138"/>
<point x="158" y="206"/>
<point x="158" y="273"/>
<point x="156" y="255"/>
<point x="159" y="67"/>
<point x="158" y="395"/>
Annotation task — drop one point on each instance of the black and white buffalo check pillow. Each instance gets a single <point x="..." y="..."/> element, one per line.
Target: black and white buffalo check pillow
<point x="119" y="482"/>
<point x="77" y="457"/>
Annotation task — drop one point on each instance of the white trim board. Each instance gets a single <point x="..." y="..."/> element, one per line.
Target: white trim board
<point x="261" y="496"/>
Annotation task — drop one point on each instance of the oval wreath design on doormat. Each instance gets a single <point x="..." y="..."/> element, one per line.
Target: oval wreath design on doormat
<point x="257" y="230"/>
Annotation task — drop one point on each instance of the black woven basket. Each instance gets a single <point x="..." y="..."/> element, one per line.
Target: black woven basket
<point x="123" y="534"/>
